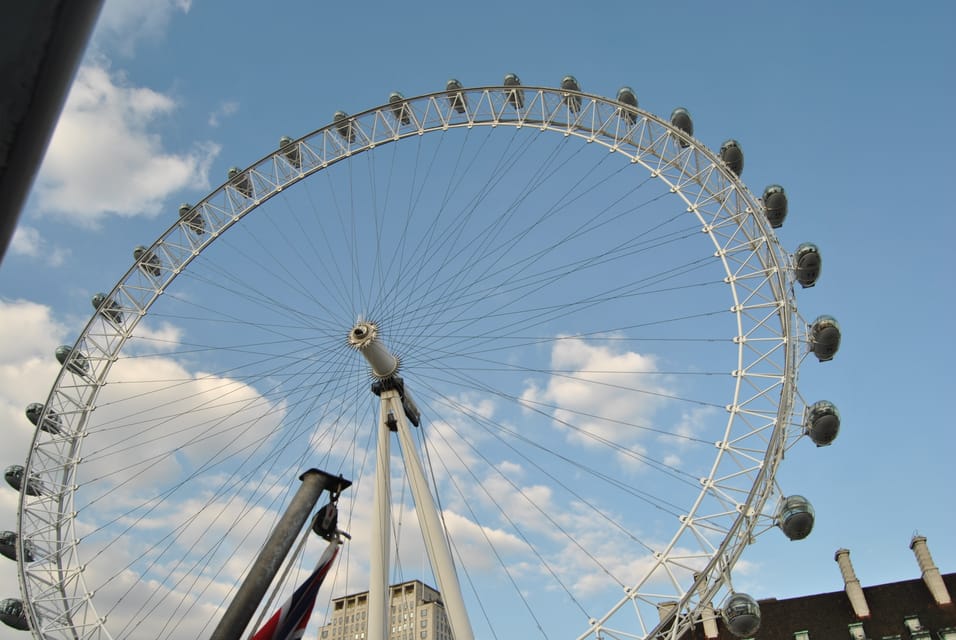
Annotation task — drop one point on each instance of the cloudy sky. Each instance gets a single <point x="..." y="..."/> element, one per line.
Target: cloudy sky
<point x="847" y="107"/>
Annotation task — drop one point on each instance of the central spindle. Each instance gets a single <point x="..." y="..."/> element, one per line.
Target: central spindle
<point x="364" y="338"/>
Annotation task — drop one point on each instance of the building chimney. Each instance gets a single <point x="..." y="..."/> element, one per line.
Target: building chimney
<point x="708" y="617"/>
<point x="852" y="584"/>
<point x="930" y="573"/>
<point x="666" y="608"/>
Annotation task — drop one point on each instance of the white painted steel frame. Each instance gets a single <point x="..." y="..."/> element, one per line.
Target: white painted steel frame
<point x="436" y="544"/>
<point x="759" y="276"/>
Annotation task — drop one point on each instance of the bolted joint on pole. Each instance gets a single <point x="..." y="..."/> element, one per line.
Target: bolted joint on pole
<point x="409" y="408"/>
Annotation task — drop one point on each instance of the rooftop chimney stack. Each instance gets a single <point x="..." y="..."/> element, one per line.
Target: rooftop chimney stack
<point x="708" y="617"/>
<point x="852" y="584"/>
<point x="930" y="573"/>
<point x="666" y="608"/>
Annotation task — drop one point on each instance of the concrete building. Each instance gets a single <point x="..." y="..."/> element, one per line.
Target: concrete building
<point x="416" y="612"/>
<point x="917" y="609"/>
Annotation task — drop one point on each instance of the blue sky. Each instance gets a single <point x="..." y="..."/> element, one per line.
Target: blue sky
<point x="847" y="105"/>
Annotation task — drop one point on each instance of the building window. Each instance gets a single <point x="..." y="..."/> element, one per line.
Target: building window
<point x="856" y="631"/>
<point x="949" y="633"/>
<point x="912" y="623"/>
<point x="801" y="635"/>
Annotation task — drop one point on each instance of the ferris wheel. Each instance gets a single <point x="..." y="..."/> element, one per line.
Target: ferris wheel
<point x="574" y="318"/>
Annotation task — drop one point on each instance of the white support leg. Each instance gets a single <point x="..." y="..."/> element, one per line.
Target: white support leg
<point x="380" y="542"/>
<point x="436" y="544"/>
<point x="384" y="366"/>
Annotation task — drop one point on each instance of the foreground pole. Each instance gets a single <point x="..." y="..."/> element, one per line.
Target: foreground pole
<point x="273" y="554"/>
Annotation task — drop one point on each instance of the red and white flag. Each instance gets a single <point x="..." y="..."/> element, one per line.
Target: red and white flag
<point x="289" y="622"/>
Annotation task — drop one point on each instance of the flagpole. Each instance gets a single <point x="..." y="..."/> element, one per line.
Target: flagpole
<point x="274" y="552"/>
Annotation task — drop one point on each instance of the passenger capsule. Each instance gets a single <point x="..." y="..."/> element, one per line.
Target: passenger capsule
<point x="626" y="95"/>
<point x="343" y="126"/>
<point x="107" y="307"/>
<point x="13" y="615"/>
<point x="290" y="151"/>
<point x="775" y="205"/>
<point x="14" y="477"/>
<point x="515" y="96"/>
<point x="51" y="424"/>
<point x="741" y="615"/>
<point x="825" y="338"/>
<point x="78" y="364"/>
<point x="8" y="547"/>
<point x="822" y="422"/>
<point x="148" y="263"/>
<point x="456" y="100"/>
<point x="795" y="517"/>
<point x="570" y="83"/>
<point x="681" y="120"/>
<point x="807" y="263"/>
<point x="240" y="181"/>
<point x="192" y="218"/>
<point x="733" y="156"/>
<point x="399" y="108"/>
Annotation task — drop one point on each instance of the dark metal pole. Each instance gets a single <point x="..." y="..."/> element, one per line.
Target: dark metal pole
<point x="273" y="554"/>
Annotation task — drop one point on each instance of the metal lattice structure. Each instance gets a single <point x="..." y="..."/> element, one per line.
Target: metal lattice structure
<point x="760" y="417"/>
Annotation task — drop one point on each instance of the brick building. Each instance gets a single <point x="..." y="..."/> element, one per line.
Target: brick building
<point x="917" y="609"/>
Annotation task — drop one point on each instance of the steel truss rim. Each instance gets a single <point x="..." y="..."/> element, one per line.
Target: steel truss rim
<point x="598" y="120"/>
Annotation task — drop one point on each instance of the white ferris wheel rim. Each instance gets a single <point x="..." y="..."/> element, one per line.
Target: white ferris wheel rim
<point x="758" y="275"/>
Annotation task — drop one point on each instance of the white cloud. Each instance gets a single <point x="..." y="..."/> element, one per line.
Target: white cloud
<point x="27" y="241"/>
<point x="156" y="420"/>
<point x="692" y="424"/>
<point x="189" y="595"/>
<point x="472" y="541"/>
<point x="622" y="388"/>
<point x="672" y="460"/>
<point x="149" y="339"/>
<point x="163" y="404"/>
<point x="106" y="156"/>
<point x="123" y="24"/>
<point x="224" y="110"/>
<point x="30" y="332"/>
